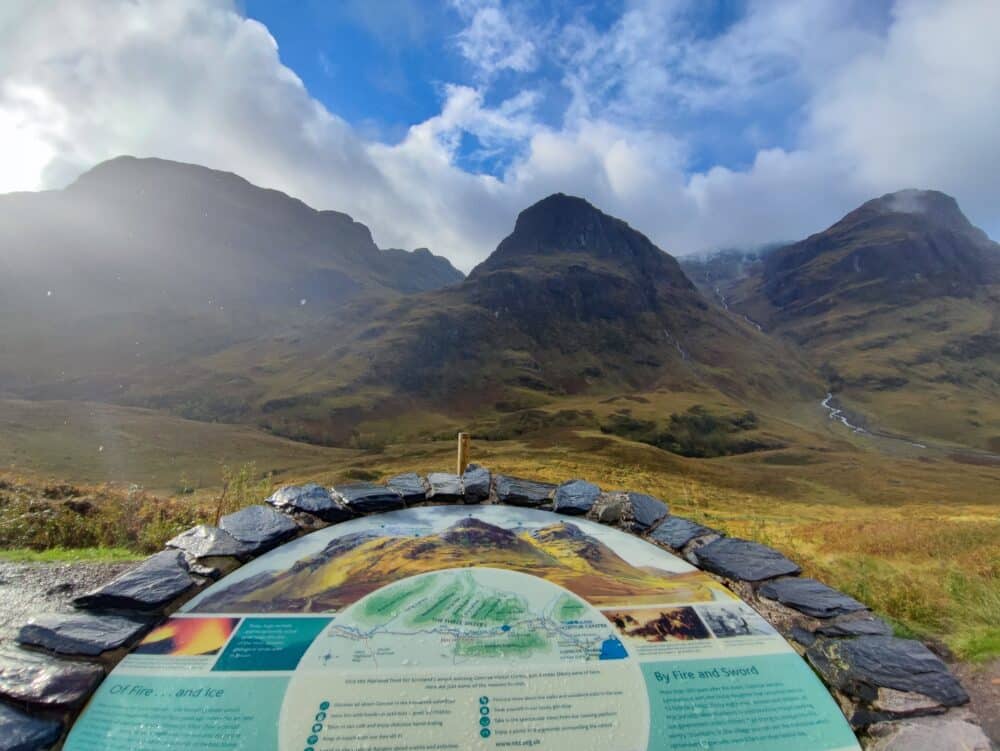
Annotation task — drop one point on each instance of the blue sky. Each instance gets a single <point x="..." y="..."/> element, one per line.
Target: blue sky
<point x="704" y="123"/>
<point x="382" y="67"/>
<point x="379" y="70"/>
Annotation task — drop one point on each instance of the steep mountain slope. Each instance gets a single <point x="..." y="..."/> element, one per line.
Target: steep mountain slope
<point x="135" y="234"/>
<point x="146" y="261"/>
<point x="899" y="304"/>
<point x="571" y="300"/>
<point x="894" y="250"/>
<point x="712" y="272"/>
<point x="176" y="287"/>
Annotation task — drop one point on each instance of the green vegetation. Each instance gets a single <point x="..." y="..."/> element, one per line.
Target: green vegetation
<point x="71" y="517"/>
<point x="76" y="555"/>
<point x="931" y="577"/>
<point x="928" y="370"/>
<point x="910" y="532"/>
<point x="241" y="487"/>
<point x="95" y="444"/>
<point x="695" y="433"/>
<point x="99" y="522"/>
<point x="523" y="422"/>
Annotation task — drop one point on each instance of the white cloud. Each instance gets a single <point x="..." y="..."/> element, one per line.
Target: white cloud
<point x="881" y="108"/>
<point x="492" y="41"/>
<point x="923" y="110"/>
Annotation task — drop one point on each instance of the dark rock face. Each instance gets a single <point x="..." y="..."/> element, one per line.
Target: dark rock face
<point x="444" y="487"/>
<point x="312" y="499"/>
<point x="147" y="588"/>
<point x="410" y="486"/>
<point x="21" y="732"/>
<point x="863" y="624"/>
<point x="744" y="560"/>
<point x="476" y="483"/>
<point x="368" y="498"/>
<point x="204" y="541"/>
<point x="81" y="634"/>
<point x="260" y="527"/>
<point x="646" y="510"/>
<point x="418" y="270"/>
<point x="897" y="248"/>
<point x="520" y="492"/>
<point x="860" y="667"/>
<point x="562" y="224"/>
<point x="810" y="597"/>
<point x="35" y="679"/>
<point x="677" y="532"/>
<point x="575" y="497"/>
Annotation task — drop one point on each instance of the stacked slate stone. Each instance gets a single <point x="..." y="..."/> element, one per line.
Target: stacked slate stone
<point x="897" y="693"/>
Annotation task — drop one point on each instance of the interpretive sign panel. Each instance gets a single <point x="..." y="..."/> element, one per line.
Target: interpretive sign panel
<point x="464" y="628"/>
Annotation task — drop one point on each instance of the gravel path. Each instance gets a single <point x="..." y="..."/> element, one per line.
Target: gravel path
<point x="28" y="589"/>
<point x="983" y="684"/>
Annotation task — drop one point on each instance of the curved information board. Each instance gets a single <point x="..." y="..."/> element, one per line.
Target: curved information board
<point x="464" y="628"/>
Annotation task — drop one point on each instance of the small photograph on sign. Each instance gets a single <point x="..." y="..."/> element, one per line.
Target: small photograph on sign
<point x="188" y="637"/>
<point x="658" y="624"/>
<point x="735" y="619"/>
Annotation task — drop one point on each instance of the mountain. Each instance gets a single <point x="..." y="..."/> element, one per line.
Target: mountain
<point x="572" y="301"/>
<point x="146" y="263"/>
<point x="898" y="304"/>
<point x="713" y="271"/>
<point x="292" y="319"/>
<point x="897" y="250"/>
<point x="140" y="234"/>
<point x="343" y="573"/>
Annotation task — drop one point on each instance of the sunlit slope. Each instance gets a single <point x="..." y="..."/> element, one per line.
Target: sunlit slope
<point x="898" y="306"/>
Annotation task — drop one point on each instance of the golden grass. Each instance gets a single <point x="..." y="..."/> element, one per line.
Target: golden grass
<point x="912" y="533"/>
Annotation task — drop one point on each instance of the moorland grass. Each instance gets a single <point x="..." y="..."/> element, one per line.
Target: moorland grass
<point x="914" y="537"/>
<point x="72" y="555"/>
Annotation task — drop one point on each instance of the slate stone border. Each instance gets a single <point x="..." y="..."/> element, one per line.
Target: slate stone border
<point x="896" y="693"/>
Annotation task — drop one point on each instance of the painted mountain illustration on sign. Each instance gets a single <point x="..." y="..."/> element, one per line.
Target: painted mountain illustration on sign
<point x="353" y="566"/>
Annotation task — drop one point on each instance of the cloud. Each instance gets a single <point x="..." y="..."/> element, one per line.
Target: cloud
<point x="875" y="102"/>
<point x="492" y="41"/>
<point x="921" y="110"/>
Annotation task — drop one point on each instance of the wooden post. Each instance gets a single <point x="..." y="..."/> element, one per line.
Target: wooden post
<point x="463" y="452"/>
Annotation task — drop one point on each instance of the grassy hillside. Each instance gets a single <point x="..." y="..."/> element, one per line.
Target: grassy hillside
<point x="896" y="306"/>
<point x="929" y="370"/>
<point x="90" y="443"/>
<point x="911" y="531"/>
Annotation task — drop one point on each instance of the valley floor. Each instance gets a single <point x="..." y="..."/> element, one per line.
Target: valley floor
<point x="910" y="532"/>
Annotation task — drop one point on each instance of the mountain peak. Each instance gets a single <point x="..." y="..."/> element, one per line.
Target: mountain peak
<point x="125" y="172"/>
<point x="895" y="249"/>
<point x="563" y="223"/>
<point x="560" y="203"/>
<point x="930" y="206"/>
<point x="565" y="230"/>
